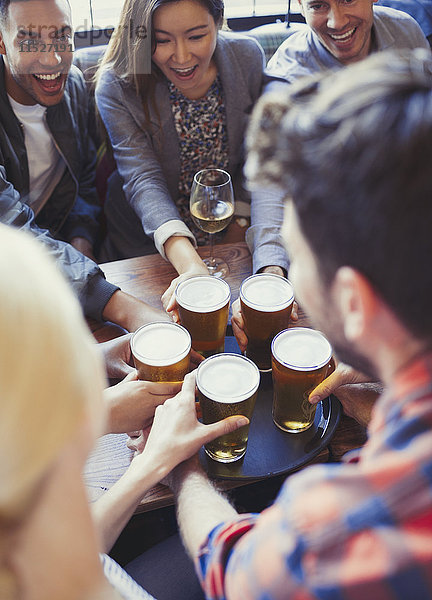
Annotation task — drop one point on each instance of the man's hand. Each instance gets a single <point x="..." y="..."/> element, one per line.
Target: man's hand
<point x="132" y="402"/>
<point x="237" y="323"/>
<point x="84" y="246"/>
<point x="118" y="356"/>
<point x="279" y="271"/>
<point x="130" y="312"/>
<point x="355" y="391"/>
<point x="273" y="269"/>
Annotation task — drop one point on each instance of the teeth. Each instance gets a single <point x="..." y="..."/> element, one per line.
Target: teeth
<point x="343" y="36"/>
<point x="184" y="71"/>
<point x="47" y="77"/>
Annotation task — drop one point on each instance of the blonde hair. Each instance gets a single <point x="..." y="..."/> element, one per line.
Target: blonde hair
<point x="50" y="376"/>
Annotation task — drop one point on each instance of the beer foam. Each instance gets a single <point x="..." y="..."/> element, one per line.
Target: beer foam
<point x="228" y="378"/>
<point x="267" y="292"/>
<point x="161" y="344"/>
<point x="203" y="293"/>
<point x="301" y="349"/>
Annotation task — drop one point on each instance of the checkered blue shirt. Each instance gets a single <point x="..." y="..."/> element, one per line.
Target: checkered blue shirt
<point x="349" y="531"/>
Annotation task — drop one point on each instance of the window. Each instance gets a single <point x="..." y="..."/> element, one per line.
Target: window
<point x="90" y="14"/>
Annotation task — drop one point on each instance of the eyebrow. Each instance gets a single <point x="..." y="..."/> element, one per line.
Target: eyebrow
<point x="36" y="30"/>
<point x="187" y="30"/>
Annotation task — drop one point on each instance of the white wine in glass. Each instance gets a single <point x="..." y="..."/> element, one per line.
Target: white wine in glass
<point x="212" y="208"/>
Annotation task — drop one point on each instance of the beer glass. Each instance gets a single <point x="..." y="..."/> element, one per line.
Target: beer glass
<point x="227" y="385"/>
<point x="161" y="351"/>
<point x="266" y="304"/>
<point x="301" y="359"/>
<point x="203" y="307"/>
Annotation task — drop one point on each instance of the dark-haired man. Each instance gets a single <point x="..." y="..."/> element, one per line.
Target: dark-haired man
<point x="357" y="232"/>
<point x="337" y="33"/>
<point x="47" y="159"/>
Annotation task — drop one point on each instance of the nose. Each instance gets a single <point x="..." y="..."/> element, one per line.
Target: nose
<point x="50" y="58"/>
<point x="336" y="17"/>
<point x="181" y="52"/>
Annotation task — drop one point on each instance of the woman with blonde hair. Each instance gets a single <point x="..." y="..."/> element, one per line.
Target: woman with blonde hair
<point x="174" y="93"/>
<point x="51" y="410"/>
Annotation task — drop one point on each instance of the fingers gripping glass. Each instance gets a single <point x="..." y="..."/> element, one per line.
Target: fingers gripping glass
<point x="212" y="208"/>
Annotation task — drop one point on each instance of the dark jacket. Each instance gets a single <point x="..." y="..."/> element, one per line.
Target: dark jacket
<point x="72" y="210"/>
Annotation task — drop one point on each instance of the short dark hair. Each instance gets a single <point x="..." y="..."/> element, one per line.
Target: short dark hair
<point x="4" y="9"/>
<point x="353" y="149"/>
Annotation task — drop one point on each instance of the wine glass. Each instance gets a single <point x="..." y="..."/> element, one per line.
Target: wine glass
<point x="212" y="208"/>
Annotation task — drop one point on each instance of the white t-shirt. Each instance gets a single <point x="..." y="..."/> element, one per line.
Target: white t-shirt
<point x="46" y="166"/>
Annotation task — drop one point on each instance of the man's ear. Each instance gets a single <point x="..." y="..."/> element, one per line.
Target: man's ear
<point x="2" y="45"/>
<point x="356" y="300"/>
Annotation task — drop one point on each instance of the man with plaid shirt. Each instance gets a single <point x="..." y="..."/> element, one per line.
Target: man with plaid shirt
<point x="352" y="150"/>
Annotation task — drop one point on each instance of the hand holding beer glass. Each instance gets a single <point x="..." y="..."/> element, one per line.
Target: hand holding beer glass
<point x="203" y="303"/>
<point x="161" y="351"/>
<point x="227" y="385"/>
<point x="301" y="360"/>
<point x="212" y="208"/>
<point x="266" y="303"/>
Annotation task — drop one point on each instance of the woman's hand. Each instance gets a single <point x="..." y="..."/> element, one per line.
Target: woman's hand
<point x="187" y="262"/>
<point x="132" y="402"/>
<point x="168" y="297"/>
<point x="176" y="433"/>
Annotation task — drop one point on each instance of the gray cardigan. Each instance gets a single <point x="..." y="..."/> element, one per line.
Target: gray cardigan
<point x="148" y="159"/>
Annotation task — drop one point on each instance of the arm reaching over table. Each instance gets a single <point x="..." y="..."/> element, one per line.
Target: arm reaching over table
<point x="175" y="436"/>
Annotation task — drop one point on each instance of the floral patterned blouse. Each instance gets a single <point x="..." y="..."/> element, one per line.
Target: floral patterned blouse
<point x="203" y="140"/>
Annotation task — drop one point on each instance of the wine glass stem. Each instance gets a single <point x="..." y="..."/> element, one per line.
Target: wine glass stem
<point x="211" y="258"/>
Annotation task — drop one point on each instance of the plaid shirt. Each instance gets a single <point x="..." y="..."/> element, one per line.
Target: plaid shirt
<point x="349" y="531"/>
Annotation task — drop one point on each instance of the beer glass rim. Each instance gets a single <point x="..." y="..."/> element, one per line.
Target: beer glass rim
<point x="166" y="361"/>
<point x="203" y="309"/>
<point x="260" y="307"/>
<point x="232" y="398"/>
<point x="308" y="331"/>
<point x="222" y="171"/>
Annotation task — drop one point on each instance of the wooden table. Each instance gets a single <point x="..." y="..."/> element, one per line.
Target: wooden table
<point x="147" y="278"/>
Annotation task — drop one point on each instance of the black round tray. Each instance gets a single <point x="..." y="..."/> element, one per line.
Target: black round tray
<point x="271" y="451"/>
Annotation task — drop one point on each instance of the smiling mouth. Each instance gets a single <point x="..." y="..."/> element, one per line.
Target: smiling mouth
<point x="47" y="76"/>
<point x="343" y="38"/>
<point x="185" y="72"/>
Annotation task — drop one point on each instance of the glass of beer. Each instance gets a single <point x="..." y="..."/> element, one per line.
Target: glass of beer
<point x="161" y="351"/>
<point x="301" y="359"/>
<point x="227" y="385"/>
<point x="266" y="304"/>
<point x="203" y="307"/>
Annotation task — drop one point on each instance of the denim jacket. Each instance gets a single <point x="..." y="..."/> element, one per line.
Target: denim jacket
<point x="72" y="210"/>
